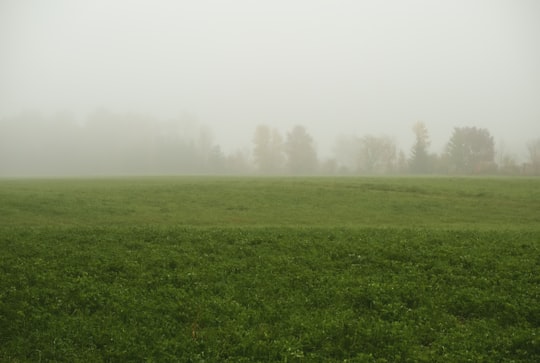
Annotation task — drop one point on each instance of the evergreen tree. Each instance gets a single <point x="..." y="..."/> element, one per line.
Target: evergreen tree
<point x="419" y="162"/>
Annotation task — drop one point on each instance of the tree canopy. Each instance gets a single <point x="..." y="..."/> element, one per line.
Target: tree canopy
<point x="471" y="150"/>
<point x="300" y="151"/>
<point x="420" y="160"/>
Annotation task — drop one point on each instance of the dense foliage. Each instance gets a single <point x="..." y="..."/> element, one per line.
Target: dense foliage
<point x="187" y="294"/>
<point x="471" y="150"/>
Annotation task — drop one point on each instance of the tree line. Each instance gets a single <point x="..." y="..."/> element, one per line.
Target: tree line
<point x="469" y="151"/>
<point x="108" y="143"/>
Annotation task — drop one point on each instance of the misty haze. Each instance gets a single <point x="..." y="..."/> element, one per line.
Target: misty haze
<point x="127" y="87"/>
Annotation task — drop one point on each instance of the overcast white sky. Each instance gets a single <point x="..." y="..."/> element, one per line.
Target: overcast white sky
<point x="337" y="67"/>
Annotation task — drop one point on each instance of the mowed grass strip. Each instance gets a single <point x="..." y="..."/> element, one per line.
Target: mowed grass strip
<point x="472" y="203"/>
<point x="268" y="294"/>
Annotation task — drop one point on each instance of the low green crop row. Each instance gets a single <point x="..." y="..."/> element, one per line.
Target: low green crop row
<point x="268" y="294"/>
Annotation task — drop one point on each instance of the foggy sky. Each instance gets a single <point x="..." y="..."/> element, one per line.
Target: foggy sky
<point x="336" y="67"/>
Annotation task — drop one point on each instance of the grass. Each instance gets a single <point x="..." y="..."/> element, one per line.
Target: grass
<point x="200" y="269"/>
<point x="345" y="202"/>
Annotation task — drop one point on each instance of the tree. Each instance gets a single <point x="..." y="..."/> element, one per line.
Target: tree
<point x="533" y="165"/>
<point x="401" y="164"/>
<point x="238" y="162"/>
<point x="420" y="159"/>
<point x="301" y="154"/>
<point x="471" y="150"/>
<point x="367" y="155"/>
<point x="216" y="161"/>
<point x="346" y="152"/>
<point x="508" y="165"/>
<point x="268" y="150"/>
<point x="376" y="155"/>
<point x="506" y="162"/>
<point x="329" y="167"/>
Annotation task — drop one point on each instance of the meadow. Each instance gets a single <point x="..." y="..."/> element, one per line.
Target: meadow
<point x="217" y="269"/>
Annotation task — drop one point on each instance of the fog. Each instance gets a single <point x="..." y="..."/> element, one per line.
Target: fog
<point x="208" y="73"/>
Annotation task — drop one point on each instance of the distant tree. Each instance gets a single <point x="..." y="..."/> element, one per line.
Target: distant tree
<point x="216" y="160"/>
<point x="419" y="162"/>
<point x="268" y="152"/>
<point x="471" y="150"/>
<point x="376" y="155"/>
<point x="207" y="151"/>
<point x="402" y="165"/>
<point x="238" y="162"/>
<point x="330" y="167"/>
<point x="300" y="151"/>
<point x="506" y="163"/>
<point x="346" y="151"/>
<point x="533" y="167"/>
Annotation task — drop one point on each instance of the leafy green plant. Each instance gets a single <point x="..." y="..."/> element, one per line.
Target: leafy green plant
<point x="115" y="282"/>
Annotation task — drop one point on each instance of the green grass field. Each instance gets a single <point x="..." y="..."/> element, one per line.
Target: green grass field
<point x="194" y="269"/>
